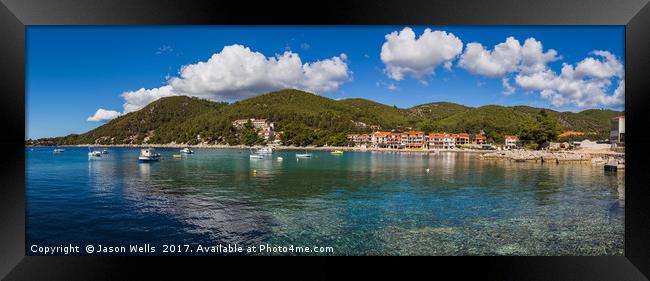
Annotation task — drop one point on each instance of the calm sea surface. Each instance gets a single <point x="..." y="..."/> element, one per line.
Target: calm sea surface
<point x="357" y="203"/>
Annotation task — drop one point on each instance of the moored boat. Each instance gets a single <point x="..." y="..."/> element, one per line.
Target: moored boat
<point x="264" y="150"/>
<point x="187" y="150"/>
<point x="304" y="155"/>
<point x="56" y="150"/>
<point x="337" y="152"/>
<point x="148" y="154"/>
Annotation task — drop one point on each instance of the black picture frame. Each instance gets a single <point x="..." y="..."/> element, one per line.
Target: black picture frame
<point x="15" y="15"/>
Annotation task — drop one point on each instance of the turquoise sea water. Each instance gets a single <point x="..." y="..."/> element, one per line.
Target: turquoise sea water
<point x="357" y="203"/>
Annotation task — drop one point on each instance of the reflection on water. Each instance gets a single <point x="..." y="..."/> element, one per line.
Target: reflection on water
<point x="359" y="203"/>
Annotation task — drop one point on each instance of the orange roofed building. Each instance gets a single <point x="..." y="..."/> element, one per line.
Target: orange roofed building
<point x="510" y="141"/>
<point x="479" y="139"/>
<point x="442" y="141"/>
<point x="462" y="138"/>
<point x="413" y="139"/>
<point x="386" y="139"/>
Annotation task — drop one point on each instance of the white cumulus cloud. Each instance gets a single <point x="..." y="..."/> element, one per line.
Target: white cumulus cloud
<point x="504" y="58"/>
<point x="586" y="84"/>
<point x="237" y="72"/>
<point x="404" y="54"/>
<point x="102" y="115"/>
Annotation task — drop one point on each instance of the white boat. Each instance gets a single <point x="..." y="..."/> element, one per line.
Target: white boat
<point x="95" y="153"/>
<point x="304" y="155"/>
<point x="187" y="150"/>
<point x="56" y="150"/>
<point x="262" y="150"/>
<point x="256" y="156"/>
<point x="280" y="158"/>
<point x="148" y="154"/>
<point x="105" y="151"/>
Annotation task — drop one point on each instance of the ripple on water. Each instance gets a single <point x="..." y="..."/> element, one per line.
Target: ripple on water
<point x="358" y="203"/>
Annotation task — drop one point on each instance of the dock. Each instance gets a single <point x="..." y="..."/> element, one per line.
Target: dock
<point x="614" y="167"/>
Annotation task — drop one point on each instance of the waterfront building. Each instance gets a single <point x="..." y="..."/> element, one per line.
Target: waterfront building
<point x="378" y="139"/>
<point x="360" y="140"/>
<point x="617" y="131"/>
<point x="479" y="138"/>
<point x="462" y="138"/>
<point x="393" y="140"/>
<point x="442" y="141"/>
<point x="413" y="139"/>
<point x="510" y="142"/>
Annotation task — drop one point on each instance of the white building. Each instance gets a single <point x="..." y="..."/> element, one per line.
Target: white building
<point x="442" y="141"/>
<point x="617" y="131"/>
<point x="267" y="135"/>
<point x="510" y="142"/>
<point x="260" y="124"/>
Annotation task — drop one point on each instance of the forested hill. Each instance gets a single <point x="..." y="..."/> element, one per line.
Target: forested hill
<point x="314" y="119"/>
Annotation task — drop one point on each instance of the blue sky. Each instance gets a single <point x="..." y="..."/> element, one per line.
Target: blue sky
<point x="74" y="71"/>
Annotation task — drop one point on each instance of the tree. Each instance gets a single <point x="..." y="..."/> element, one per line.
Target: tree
<point x="544" y="130"/>
<point x="249" y="136"/>
<point x="339" y="139"/>
<point x="297" y="135"/>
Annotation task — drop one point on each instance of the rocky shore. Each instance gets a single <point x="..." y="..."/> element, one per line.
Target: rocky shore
<point x="577" y="156"/>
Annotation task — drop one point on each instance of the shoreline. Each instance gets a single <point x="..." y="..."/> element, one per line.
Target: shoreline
<point x="278" y="147"/>
<point x="518" y="155"/>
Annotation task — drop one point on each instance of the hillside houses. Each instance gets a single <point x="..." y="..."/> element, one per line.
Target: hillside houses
<point x="266" y="129"/>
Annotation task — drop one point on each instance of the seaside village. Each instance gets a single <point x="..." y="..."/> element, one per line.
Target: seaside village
<point x="608" y="152"/>
<point x="414" y="140"/>
<point x="418" y="140"/>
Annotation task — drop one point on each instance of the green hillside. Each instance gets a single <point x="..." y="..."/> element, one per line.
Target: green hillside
<point x="436" y="110"/>
<point x="496" y="121"/>
<point x="307" y="118"/>
<point x="158" y="121"/>
<point x="367" y="111"/>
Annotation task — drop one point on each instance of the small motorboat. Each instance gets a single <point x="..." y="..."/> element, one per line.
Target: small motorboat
<point x="265" y="150"/>
<point x="148" y="154"/>
<point x="256" y="156"/>
<point x="337" y="152"/>
<point x="95" y="153"/>
<point x="177" y="156"/>
<point x="187" y="150"/>
<point x="56" y="150"/>
<point x="105" y="151"/>
<point x="280" y="158"/>
<point x="304" y="155"/>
